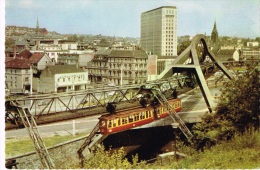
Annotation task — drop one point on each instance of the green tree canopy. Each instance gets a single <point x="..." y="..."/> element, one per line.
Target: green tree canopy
<point x="238" y="109"/>
<point x="9" y="43"/>
<point x="182" y="46"/>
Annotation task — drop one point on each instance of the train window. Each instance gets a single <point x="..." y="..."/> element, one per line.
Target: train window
<point x="150" y="114"/>
<point x="142" y="115"/>
<point x="114" y="123"/>
<point x="118" y="121"/>
<point x="109" y="124"/>
<point x="146" y="114"/>
<point x="130" y="119"/>
<point x="124" y="120"/>
<point x="137" y="116"/>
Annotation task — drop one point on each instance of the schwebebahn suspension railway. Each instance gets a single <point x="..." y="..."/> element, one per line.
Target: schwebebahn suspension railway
<point x="189" y="69"/>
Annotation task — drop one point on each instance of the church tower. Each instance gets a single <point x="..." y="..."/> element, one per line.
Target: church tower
<point x="37" y="27"/>
<point x="214" y="34"/>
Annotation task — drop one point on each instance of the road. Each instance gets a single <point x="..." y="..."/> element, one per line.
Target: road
<point x="82" y="125"/>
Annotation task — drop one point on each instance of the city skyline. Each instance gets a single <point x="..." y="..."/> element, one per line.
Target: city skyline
<point x="122" y="17"/>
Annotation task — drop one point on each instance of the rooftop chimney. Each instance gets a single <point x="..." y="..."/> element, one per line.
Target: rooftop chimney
<point x="14" y="51"/>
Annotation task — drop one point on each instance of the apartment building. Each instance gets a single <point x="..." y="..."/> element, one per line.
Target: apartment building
<point x="119" y="67"/>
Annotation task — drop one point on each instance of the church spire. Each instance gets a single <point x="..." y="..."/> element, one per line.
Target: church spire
<point x="214" y="34"/>
<point x="215" y="27"/>
<point x="37" y="26"/>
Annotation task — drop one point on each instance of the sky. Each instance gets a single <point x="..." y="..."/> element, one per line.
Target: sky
<point x="122" y="17"/>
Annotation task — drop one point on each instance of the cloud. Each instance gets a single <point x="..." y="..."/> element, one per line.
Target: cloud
<point x="23" y="4"/>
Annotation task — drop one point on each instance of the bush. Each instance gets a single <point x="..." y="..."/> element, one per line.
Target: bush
<point x="102" y="159"/>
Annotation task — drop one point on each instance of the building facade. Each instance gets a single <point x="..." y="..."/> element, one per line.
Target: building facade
<point x="119" y="67"/>
<point x="127" y="67"/>
<point x="251" y="54"/>
<point x="18" y="75"/>
<point x="20" y="70"/>
<point x="63" y="78"/>
<point x="159" y="31"/>
<point x="98" y="66"/>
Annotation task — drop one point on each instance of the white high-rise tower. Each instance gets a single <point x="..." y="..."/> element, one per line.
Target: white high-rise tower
<point x="159" y="31"/>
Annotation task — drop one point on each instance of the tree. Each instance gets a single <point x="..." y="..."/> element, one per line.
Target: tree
<point x="237" y="110"/>
<point x="103" y="43"/>
<point x="239" y="103"/>
<point x="9" y="43"/>
<point x="182" y="46"/>
<point x="81" y="38"/>
<point x="73" y="37"/>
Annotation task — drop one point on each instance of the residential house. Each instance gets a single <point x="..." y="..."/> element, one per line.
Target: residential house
<point x="18" y="75"/>
<point x="20" y="70"/>
<point x="62" y="78"/>
<point x="252" y="44"/>
<point x="68" y="44"/>
<point x="80" y="57"/>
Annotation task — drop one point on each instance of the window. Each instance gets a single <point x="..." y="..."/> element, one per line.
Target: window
<point x="114" y="123"/>
<point x="136" y="117"/>
<point x="109" y="124"/>
<point x="130" y="119"/>
<point x="124" y="120"/>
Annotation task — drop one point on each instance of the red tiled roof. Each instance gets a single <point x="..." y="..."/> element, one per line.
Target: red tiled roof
<point x="18" y="63"/>
<point x="24" y="54"/>
<point x="22" y="60"/>
<point x="8" y="59"/>
<point x="36" y="57"/>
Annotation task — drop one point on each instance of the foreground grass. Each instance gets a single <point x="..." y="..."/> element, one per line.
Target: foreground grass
<point x="19" y="146"/>
<point x="242" y="152"/>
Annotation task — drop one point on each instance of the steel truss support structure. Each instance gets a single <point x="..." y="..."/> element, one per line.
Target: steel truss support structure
<point x="195" y="61"/>
<point x="31" y="126"/>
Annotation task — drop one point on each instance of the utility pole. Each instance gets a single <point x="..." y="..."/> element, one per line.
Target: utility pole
<point x="31" y="77"/>
<point x="121" y="76"/>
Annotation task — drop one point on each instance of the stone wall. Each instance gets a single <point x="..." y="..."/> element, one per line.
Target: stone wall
<point x="64" y="156"/>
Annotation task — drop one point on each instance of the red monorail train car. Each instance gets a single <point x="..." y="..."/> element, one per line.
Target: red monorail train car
<point x="125" y="120"/>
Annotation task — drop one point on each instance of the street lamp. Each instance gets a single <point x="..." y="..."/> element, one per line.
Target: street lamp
<point x="175" y="125"/>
